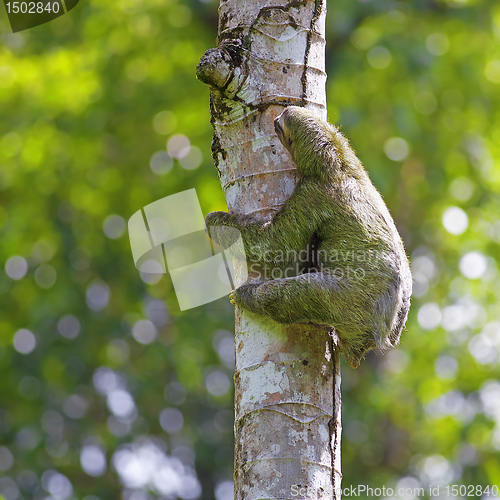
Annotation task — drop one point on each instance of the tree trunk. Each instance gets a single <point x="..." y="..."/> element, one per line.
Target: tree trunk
<point x="287" y="379"/>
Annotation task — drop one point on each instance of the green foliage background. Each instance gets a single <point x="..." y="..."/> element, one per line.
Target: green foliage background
<point x="85" y="102"/>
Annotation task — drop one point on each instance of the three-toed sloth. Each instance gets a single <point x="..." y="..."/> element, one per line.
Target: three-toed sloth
<point x="356" y="276"/>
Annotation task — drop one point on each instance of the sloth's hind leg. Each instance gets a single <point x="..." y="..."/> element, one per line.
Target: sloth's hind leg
<point x="310" y="297"/>
<point x="314" y="297"/>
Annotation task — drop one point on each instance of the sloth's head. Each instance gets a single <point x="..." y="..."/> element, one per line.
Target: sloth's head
<point x="310" y="140"/>
<point x="317" y="147"/>
<point x="297" y="125"/>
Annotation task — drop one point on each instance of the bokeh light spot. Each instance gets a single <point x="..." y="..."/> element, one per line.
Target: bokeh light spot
<point x="164" y="122"/>
<point x="429" y="316"/>
<point x="492" y="71"/>
<point x="379" y="57"/>
<point x="455" y="220"/>
<point x="425" y="103"/>
<point x="45" y="276"/>
<point x="193" y="159"/>
<point x="144" y="331"/>
<point x="97" y="296"/>
<point x="437" y="44"/>
<point x="6" y="458"/>
<point x="396" y="149"/>
<point x="113" y="226"/>
<point x="16" y="267"/>
<point x="24" y="341"/>
<point x="473" y="265"/>
<point x="69" y="326"/>
<point x="161" y="163"/>
<point x="217" y="383"/>
<point x="178" y="146"/>
<point x="171" y="420"/>
<point x="93" y="460"/>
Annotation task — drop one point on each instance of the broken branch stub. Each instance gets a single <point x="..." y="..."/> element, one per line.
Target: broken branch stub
<point x="215" y="68"/>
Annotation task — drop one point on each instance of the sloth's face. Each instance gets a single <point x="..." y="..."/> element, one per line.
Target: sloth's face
<point x="295" y="124"/>
<point x="282" y="130"/>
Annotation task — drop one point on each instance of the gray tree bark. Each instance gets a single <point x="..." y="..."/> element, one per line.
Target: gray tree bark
<point x="270" y="54"/>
